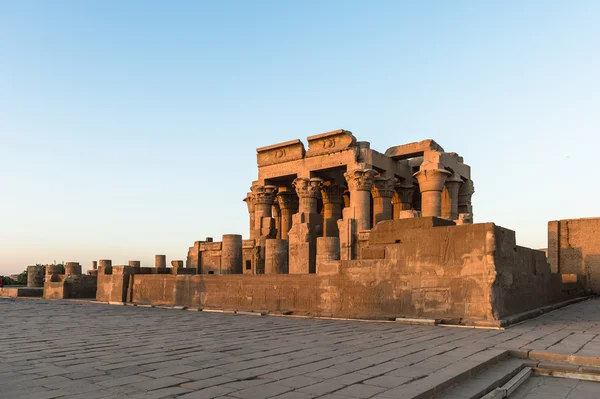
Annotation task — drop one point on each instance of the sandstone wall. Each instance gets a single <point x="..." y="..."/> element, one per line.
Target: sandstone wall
<point x="574" y="247"/>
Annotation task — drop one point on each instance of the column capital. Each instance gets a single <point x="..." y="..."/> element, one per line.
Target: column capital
<point x="308" y="188"/>
<point x="249" y="200"/>
<point x="360" y="179"/>
<point x="264" y="194"/>
<point x="287" y="199"/>
<point x="383" y="187"/>
<point x="404" y="193"/>
<point x="332" y="194"/>
<point x="432" y="179"/>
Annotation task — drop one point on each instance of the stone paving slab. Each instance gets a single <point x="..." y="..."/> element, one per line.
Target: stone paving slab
<point x="76" y="349"/>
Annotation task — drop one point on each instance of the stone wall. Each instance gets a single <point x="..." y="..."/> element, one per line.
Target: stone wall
<point x="407" y="270"/>
<point x="574" y="247"/>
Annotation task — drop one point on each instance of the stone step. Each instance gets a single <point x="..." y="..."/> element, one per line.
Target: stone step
<point x="485" y="382"/>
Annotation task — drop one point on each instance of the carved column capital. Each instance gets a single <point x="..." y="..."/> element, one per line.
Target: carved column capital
<point x="308" y="188"/>
<point x="332" y="194"/>
<point x="432" y="179"/>
<point x="249" y="200"/>
<point x="404" y="194"/>
<point x="287" y="199"/>
<point x="264" y="194"/>
<point x="360" y="179"/>
<point x="383" y="187"/>
<point x="465" y="193"/>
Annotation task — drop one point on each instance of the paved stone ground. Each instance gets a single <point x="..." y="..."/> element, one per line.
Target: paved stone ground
<point x="538" y="387"/>
<point x="67" y="349"/>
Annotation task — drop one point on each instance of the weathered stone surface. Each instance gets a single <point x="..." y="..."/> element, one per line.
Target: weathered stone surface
<point x="329" y="142"/>
<point x="278" y="153"/>
<point x="35" y="276"/>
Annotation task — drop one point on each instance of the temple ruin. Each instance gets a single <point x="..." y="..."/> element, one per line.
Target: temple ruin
<point x="340" y="229"/>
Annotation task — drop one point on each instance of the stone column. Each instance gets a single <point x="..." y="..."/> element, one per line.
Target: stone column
<point x="35" y="276"/>
<point x="134" y="263"/>
<point x="309" y="192"/>
<point x="72" y="269"/>
<point x="431" y="184"/>
<point x="382" y="192"/>
<point x="249" y="200"/>
<point x="105" y="266"/>
<point x="288" y="205"/>
<point x="450" y="197"/>
<point x="160" y="260"/>
<point x="333" y="202"/>
<point x="276" y="257"/>
<point x="276" y="211"/>
<point x="94" y="265"/>
<point x="177" y="264"/>
<point x="231" y="254"/>
<point x="465" y="207"/>
<point x="264" y="197"/>
<point x="360" y="182"/>
<point x="402" y="199"/>
<point x="328" y="248"/>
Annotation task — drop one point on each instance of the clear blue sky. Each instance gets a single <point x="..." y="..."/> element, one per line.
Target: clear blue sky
<point x="129" y="129"/>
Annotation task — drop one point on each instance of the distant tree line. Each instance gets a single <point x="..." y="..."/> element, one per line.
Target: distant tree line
<point x="22" y="278"/>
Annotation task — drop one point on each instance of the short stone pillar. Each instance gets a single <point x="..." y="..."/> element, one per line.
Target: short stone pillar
<point x="105" y="266"/>
<point x="360" y="182"/>
<point x="231" y="254"/>
<point x="134" y="263"/>
<point x="160" y="260"/>
<point x="94" y="265"/>
<point x="264" y="198"/>
<point x="431" y="184"/>
<point x="328" y="248"/>
<point x="35" y="276"/>
<point x="276" y="256"/>
<point x="177" y="264"/>
<point x="72" y="269"/>
<point x="53" y="272"/>
<point x="382" y="192"/>
<point x="465" y="192"/>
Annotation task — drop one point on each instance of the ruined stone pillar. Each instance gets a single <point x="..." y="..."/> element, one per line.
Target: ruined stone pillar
<point x="249" y="200"/>
<point x="94" y="265"/>
<point x="72" y="269"/>
<point x="431" y="184"/>
<point x="328" y="248"/>
<point x="288" y="206"/>
<point x="35" y="276"/>
<point x="105" y="266"/>
<point x="177" y="264"/>
<point x="160" y="261"/>
<point x="360" y="182"/>
<point x="134" y="263"/>
<point x="382" y="192"/>
<point x="231" y="254"/>
<point x="276" y="257"/>
<point x="402" y="199"/>
<point x="333" y="202"/>
<point x="52" y="273"/>
<point x="450" y="197"/>
<point x="465" y="208"/>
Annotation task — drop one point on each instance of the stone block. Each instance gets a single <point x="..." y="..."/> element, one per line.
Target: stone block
<point x="278" y="153"/>
<point x="329" y="142"/>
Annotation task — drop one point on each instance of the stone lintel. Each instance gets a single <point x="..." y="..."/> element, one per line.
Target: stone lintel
<point x="278" y="153"/>
<point x="329" y="142"/>
<point x="412" y="150"/>
<point x="210" y="246"/>
<point x="248" y="243"/>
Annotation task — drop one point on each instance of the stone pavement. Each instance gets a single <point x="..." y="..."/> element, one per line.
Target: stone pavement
<point x="538" y="387"/>
<point x="69" y="349"/>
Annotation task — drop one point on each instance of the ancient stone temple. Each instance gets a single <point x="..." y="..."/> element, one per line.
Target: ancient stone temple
<point x="340" y="229"/>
